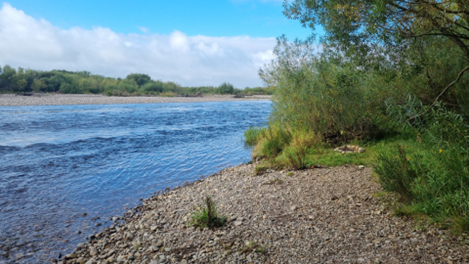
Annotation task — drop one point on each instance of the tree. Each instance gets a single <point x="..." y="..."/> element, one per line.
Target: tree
<point x="38" y="85"/>
<point x="7" y="77"/>
<point x="153" y="87"/>
<point x="371" y="32"/>
<point x="139" y="78"/>
<point x="226" y="88"/>
<point x="388" y="22"/>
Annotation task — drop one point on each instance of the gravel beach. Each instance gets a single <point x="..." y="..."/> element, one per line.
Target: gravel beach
<point x="85" y="99"/>
<point x="320" y="215"/>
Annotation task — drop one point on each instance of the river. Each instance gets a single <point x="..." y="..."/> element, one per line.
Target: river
<point x="65" y="170"/>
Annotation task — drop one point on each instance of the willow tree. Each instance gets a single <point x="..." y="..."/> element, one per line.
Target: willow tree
<point x="368" y="29"/>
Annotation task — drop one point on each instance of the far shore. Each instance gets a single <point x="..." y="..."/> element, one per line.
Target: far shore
<point x="87" y="99"/>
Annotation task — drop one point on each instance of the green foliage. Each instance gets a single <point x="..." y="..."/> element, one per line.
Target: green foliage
<point x="314" y="93"/>
<point x="260" y="169"/>
<point x="392" y="75"/>
<point x="398" y="173"/>
<point x="272" y="141"/>
<point x="140" y="79"/>
<point x="226" y="88"/>
<point x="63" y="81"/>
<point x="253" y="134"/>
<point x="206" y="215"/>
<point x="432" y="174"/>
<point x="296" y="151"/>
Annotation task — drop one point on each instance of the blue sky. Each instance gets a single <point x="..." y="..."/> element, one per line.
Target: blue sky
<point x="190" y="42"/>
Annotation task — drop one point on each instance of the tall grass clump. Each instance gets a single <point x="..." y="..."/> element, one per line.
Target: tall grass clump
<point x="302" y="141"/>
<point x="253" y="134"/>
<point x="272" y="141"/>
<point x="206" y="215"/>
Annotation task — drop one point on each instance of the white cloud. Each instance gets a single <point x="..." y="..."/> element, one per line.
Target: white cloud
<point x="189" y="60"/>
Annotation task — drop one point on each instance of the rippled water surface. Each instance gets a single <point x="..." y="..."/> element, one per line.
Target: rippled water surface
<point x="59" y="162"/>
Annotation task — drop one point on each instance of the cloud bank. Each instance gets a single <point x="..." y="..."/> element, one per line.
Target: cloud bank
<point x="188" y="60"/>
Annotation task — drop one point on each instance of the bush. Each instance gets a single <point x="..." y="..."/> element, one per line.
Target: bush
<point x="252" y="135"/>
<point x="226" y="88"/>
<point x="299" y="145"/>
<point x="272" y="141"/>
<point x="397" y="173"/>
<point x="206" y="215"/>
<point x="149" y="87"/>
<point x="431" y="171"/>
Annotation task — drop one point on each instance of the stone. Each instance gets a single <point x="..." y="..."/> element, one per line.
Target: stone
<point x="361" y="167"/>
<point x="238" y="223"/>
<point x="293" y="208"/>
<point x="93" y="251"/>
<point x="90" y="261"/>
<point x="136" y="244"/>
<point x="71" y="256"/>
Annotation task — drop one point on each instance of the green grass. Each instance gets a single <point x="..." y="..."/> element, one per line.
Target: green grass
<point x="326" y="156"/>
<point x="206" y="215"/>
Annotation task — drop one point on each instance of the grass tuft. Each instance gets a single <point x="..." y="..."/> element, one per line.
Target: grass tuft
<point x="206" y="215"/>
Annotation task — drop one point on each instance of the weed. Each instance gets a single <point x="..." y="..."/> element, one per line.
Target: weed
<point x="275" y="181"/>
<point x="206" y="215"/>
<point x="253" y="247"/>
<point x="289" y="173"/>
<point x="260" y="169"/>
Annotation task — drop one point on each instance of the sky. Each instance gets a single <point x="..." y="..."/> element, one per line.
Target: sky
<point x="190" y="42"/>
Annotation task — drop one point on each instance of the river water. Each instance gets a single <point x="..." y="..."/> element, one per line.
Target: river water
<point x="65" y="170"/>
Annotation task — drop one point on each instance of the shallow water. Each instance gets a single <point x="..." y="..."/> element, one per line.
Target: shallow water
<point x="59" y="162"/>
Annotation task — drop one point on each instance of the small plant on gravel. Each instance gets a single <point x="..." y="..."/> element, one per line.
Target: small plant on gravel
<point x="260" y="169"/>
<point x="275" y="181"/>
<point x="206" y="215"/>
<point x="289" y="173"/>
<point x="253" y="247"/>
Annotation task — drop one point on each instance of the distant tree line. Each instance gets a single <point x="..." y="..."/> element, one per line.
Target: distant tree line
<point x="83" y="82"/>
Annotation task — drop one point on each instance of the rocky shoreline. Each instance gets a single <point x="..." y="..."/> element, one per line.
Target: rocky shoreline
<point x="320" y="215"/>
<point x="86" y="99"/>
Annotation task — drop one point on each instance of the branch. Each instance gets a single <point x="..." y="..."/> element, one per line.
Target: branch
<point x="438" y="97"/>
<point x="438" y="34"/>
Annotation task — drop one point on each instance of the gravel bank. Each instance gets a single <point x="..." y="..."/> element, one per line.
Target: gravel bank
<point x="85" y="99"/>
<point x="325" y="215"/>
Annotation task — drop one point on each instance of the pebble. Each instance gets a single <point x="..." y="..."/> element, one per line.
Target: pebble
<point x="318" y="215"/>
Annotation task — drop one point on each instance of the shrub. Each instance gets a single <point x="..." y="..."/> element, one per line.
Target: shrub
<point x="252" y="135"/>
<point x="271" y="141"/>
<point x="258" y="170"/>
<point x="431" y="173"/>
<point x="206" y="215"/>
<point x="397" y="172"/>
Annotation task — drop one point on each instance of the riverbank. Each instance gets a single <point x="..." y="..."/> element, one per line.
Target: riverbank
<point x="321" y="215"/>
<point x="86" y="99"/>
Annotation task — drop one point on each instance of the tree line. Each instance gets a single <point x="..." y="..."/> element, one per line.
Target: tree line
<point x="83" y="82"/>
